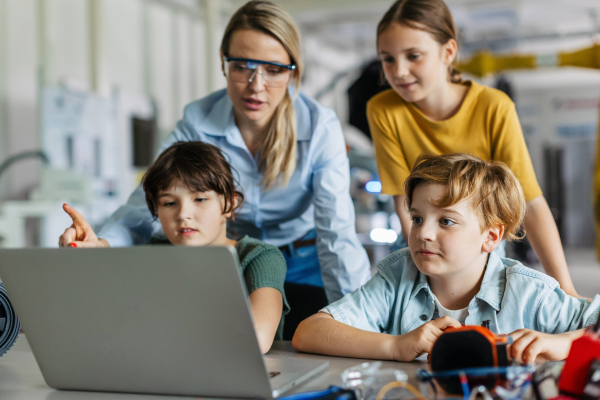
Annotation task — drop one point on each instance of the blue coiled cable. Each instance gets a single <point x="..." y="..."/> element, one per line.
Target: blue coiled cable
<point x="9" y="324"/>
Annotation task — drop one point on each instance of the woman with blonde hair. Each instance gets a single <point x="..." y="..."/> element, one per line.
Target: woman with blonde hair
<point x="290" y="156"/>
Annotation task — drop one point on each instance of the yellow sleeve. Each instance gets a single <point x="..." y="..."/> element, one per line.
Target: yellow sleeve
<point x="508" y="146"/>
<point x="391" y="163"/>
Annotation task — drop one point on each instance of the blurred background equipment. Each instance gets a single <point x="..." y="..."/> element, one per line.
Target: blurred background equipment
<point x="568" y="150"/>
<point x="97" y="84"/>
<point x="370" y="82"/>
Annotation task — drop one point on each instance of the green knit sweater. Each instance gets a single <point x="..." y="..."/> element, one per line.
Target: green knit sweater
<point x="262" y="265"/>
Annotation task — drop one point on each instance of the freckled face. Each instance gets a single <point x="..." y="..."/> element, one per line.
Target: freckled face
<point x="413" y="61"/>
<point x="444" y="241"/>
<point x="254" y="101"/>
<point x="190" y="218"/>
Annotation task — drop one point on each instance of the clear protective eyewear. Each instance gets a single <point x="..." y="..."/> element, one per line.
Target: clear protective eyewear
<point x="245" y="70"/>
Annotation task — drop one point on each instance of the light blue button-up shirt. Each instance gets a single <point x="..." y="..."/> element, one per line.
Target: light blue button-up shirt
<point x="398" y="300"/>
<point x="317" y="195"/>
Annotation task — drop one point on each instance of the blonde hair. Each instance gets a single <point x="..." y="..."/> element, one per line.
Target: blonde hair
<point x="278" y="154"/>
<point x="495" y="192"/>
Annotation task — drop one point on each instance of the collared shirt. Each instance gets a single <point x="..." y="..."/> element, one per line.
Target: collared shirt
<point x="398" y="300"/>
<point x="317" y="195"/>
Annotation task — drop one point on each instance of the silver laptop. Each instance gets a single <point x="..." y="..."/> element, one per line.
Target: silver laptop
<point x="147" y="319"/>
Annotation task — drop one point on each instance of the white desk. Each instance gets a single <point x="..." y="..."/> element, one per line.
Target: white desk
<point x="21" y="379"/>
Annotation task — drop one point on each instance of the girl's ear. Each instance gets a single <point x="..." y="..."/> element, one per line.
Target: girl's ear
<point x="449" y="51"/>
<point x="493" y="237"/>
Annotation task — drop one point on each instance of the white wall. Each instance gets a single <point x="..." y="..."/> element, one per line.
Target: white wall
<point x="66" y="42"/>
<point x="3" y="127"/>
<point x="123" y="45"/>
<point x="20" y="76"/>
<point x="161" y="64"/>
<point x="156" y="48"/>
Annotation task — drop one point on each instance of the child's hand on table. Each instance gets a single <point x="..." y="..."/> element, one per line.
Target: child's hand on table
<point x="529" y="345"/>
<point x="420" y="341"/>
<point x="80" y="233"/>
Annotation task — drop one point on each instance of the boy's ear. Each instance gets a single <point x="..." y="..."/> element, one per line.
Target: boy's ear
<point x="493" y="237"/>
<point x="234" y="206"/>
<point x="236" y="202"/>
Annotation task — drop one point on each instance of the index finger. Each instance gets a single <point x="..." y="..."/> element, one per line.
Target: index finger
<point x="446" y="322"/>
<point x="518" y="333"/>
<point x="77" y="218"/>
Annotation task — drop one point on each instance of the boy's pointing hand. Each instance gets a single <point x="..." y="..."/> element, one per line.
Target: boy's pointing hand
<point x="420" y="341"/>
<point x="80" y="233"/>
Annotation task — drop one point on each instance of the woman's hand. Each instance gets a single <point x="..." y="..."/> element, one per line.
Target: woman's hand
<point x="529" y="345"/>
<point x="420" y="341"/>
<point x="80" y="234"/>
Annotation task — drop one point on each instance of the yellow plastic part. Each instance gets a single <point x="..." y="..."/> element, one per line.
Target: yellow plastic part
<point x="484" y="62"/>
<point x="397" y="384"/>
<point x="587" y="58"/>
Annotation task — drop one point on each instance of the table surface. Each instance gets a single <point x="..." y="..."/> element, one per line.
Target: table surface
<point x="21" y="378"/>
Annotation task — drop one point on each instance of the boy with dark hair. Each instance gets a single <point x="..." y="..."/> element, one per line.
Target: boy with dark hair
<point x="190" y="188"/>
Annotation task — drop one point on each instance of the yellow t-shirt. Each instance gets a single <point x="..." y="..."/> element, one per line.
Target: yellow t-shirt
<point x="486" y="126"/>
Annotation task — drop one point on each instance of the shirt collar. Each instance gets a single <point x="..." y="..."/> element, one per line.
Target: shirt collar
<point x="221" y="119"/>
<point x="420" y="282"/>
<point x="494" y="282"/>
<point x="492" y="286"/>
<point x="304" y="121"/>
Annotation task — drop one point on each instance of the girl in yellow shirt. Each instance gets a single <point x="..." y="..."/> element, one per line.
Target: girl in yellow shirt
<point x="430" y="109"/>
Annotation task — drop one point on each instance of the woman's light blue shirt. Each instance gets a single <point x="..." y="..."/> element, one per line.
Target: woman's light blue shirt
<point x="317" y="195"/>
<point x="398" y="300"/>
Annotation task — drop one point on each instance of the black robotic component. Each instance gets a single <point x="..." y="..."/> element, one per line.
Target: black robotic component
<point x="469" y="347"/>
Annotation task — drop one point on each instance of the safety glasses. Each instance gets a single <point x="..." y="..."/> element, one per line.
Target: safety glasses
<point x="245" y="70"/>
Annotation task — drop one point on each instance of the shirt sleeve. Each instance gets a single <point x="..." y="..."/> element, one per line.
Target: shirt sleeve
<point x="265" y="267"/>
<point x="344" y="262"/>
<point x="133" y="223"/>
<point x="508" y="146"/>
<point x="391" y="163"/>
<point x="558" y="312"/>
<point x="368" y="307"/>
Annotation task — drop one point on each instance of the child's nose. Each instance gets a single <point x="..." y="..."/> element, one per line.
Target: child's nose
<point x="426" y="233"/>
<point x="401" y="68"/>
<point x="184" y="213"/>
